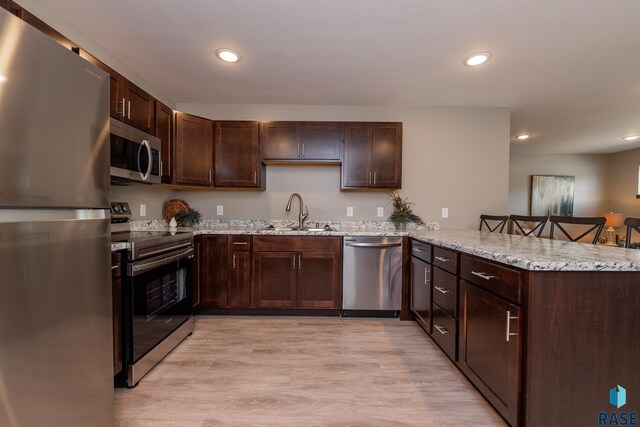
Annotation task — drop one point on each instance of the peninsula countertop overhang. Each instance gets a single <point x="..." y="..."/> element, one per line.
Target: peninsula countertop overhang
<point x="527" y="253"/>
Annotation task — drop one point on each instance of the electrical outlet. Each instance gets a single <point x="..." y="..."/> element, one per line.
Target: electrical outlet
<point x="380" y="212"/>
<point x="143" y="209"/>
<point x="445" y="212"/>
<point x="349" y="210"/>
<point x="219" y="210"/>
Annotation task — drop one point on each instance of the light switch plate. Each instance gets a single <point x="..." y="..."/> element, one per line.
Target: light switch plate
<point x="445" y="212"/>
<point x="380" y="212"/>
<point x="143" y="209"/>
<point x="219" y="210"/>
<point x="349" y="210"/>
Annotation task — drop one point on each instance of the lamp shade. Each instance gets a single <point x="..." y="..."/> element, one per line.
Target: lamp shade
<point x="614" y="219"/>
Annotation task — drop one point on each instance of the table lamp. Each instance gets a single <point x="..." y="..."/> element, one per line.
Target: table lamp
<point x="613" y="220"/>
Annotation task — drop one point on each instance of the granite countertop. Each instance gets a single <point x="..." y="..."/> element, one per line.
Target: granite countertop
<point x="528" y="253"/>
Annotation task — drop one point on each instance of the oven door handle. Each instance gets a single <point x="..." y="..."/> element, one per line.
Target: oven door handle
<point x="139" y="268"/>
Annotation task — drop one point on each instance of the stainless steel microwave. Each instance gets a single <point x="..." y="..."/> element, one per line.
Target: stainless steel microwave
<point x="135" y="155"/>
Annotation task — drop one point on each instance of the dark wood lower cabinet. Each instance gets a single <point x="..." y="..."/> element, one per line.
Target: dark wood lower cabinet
<point x="274" y="279"/>
<point x="116" y="288"/>
<point x="297" y="272"/>
<point x="490" y="347"/>
<point x="212" y="256"/>
<point x="239" y="281"/>
<point x="318" y="281"/>
<point x="421" y="292"/>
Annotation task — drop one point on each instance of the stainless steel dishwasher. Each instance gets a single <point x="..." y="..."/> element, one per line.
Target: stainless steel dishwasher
<point x="372" y="276"/>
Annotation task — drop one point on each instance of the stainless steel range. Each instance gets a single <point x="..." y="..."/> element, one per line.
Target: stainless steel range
<point x="157" y="297"/>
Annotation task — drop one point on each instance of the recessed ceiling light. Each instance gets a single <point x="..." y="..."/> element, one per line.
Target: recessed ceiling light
<point x="631" y="137"/>
<point x="477" y="59"/>
<point x="2" y="78"/>
<point x="522" y="137"/>
<point x="228" y="55"/>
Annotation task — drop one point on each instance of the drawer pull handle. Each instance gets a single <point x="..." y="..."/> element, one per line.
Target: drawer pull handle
<point x="442" y="290"/>
<point x="509" y="319"/>
<point x="418" y="250"/>
<point x="443" y="259"/>
<point x="113" y="267"/>
<point x="240" y="243"/>
<point x="442" y="329"/>
<point x="482" y="275"/>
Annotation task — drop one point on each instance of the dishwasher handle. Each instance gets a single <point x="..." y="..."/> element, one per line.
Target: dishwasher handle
<point x="372" y="245"/>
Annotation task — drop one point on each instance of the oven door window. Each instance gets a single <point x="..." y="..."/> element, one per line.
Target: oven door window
<point x="161" y="303"/>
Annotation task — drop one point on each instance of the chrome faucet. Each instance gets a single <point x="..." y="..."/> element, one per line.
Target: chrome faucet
<point x="301" y="216"/>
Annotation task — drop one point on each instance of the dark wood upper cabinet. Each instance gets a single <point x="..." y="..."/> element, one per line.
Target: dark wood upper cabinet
<point x="280" y="140"/>
<point x="138" y="105"/>
<point x="128" y="102"/>
<point x="302" y="142"/>
<point x="164" y="131"/>
<point x="193" y="150"/>
<point x="372" y="156"/>
<point x="237" y="155"/>
<point x="321" y="140"/>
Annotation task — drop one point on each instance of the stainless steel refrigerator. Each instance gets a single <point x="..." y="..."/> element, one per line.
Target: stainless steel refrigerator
<point x="56" y="364"/>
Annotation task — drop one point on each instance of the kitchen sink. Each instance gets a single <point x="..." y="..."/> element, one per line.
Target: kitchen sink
<point x="274" y="228"/>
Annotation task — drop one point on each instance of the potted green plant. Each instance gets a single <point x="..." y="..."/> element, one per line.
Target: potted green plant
<point x="402" y="212"/>
<point x="188" y="218"/>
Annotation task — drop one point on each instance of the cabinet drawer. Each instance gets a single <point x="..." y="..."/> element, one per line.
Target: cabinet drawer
<point x="445" y="259"/>
<point x="496" y="278"/>
<point x="297" y="243"/>
<point x="445" y="291"/>
<point x="116" y="265"/>
<point x="445" y="331"/>
<point x="421" y="250"/>
<point x="239" y="243"/>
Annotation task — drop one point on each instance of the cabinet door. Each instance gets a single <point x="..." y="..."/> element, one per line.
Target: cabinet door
<point x="421" y="292"/>
<point x="211" y="253"/>
<point x="356" y="164"/>
<point x="194" y="150"/>
<point x="387" y="155"/>
<point x="237" y="155"/>
<point x="490" y="347"/>
<point x="240" y="279"/>
<point x="140" y="108"/>
<point x="164" y="131"/>
<point x="321" y="140"/>
<point x="318" y="284"/>
<point x="281" y="140"/>
<point x="274" y="277"/>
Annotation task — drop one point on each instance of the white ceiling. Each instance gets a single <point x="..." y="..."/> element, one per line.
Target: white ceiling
<point x="569" y="70"/>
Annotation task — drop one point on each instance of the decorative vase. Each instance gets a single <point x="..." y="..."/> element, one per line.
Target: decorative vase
<point x="401" y="226"/>
<point x="173" y="223"/>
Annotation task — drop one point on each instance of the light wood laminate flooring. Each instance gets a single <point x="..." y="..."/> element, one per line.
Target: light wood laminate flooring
<point x="304" y="371"/>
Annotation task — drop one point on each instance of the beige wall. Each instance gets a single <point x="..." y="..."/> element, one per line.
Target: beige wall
<point x="624" y="182"/>
<point x="452" y="157"/>
<point x="136" y="194"/>
<point x="591" y="195"/>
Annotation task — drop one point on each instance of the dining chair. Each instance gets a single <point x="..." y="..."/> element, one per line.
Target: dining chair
<point x="533" y="224"/>
<point x="632" y="224"/>
<point x="594" y="224"/>
<point x="498" y="221"/>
